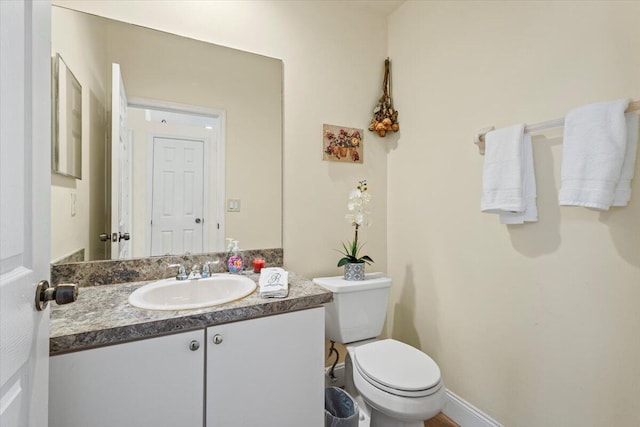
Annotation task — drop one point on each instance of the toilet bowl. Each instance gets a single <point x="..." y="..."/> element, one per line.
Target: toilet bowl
<point x="399" y="385"/>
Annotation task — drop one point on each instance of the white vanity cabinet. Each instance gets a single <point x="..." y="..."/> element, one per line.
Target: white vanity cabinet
<point x="154" y="382"/>
<point x="267" y="372"/>
<point x="263" y="372"/>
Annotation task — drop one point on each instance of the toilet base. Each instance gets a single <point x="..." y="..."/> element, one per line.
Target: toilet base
<point x="380" y="419"/>
<point x="365" y="412"/>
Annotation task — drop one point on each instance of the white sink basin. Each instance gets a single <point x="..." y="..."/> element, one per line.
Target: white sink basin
<point x="172" y="294"/>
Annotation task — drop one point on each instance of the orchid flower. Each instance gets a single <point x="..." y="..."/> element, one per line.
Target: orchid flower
<point x="357" y="215"/>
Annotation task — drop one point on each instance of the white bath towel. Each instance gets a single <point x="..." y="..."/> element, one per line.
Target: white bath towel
<point x="593" y="153"/>
<point x="273" y="282"/>
<point x="503" y="174"/>
<point x="622" y="193"/>
<point x="530" y="213"/>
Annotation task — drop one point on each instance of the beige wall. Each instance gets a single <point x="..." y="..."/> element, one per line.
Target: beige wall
<point x="538" y="324"/>
<point x="333" y="54"/>
<point x="83" y="50"/>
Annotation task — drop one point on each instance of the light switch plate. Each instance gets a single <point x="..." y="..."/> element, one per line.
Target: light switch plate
<point x="233" y="205"/>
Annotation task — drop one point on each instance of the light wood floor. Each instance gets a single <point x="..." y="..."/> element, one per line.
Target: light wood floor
<point x="441" y="420"/>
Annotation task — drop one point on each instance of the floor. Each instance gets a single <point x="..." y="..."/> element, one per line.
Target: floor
<point x="441" y="420"/>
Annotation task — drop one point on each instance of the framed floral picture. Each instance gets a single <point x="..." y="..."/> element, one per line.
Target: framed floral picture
<point x="342" y="144"/>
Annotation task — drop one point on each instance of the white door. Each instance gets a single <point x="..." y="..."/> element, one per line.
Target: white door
<point x="120" y="169"/>
<point x="25" y="179"/>
<point x="177" y="222"/>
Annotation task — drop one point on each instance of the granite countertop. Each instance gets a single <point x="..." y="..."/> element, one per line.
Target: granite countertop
<point x="103" y="316"/>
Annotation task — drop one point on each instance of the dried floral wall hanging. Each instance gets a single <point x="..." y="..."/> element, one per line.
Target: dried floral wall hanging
<point x="342" y="144"/>
<point x="385" y="117"/>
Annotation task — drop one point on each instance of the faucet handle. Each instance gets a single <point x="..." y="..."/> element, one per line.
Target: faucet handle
<point x="206" y="270"/>
<point x="182" y="273"/>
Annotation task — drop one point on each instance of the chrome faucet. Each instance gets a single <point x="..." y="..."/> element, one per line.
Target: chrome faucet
<point x="182" y="273"/>
<point x="195" y="273"/>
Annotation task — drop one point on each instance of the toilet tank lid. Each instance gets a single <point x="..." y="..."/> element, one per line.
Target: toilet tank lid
<point x="338" y="284"/>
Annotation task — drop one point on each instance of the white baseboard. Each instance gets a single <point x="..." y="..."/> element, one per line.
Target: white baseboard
<point x="465" y="414"/>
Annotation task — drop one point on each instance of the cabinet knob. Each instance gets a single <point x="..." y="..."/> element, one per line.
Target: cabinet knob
<point x="194" y="345"/>
<point x="217" y="339"/>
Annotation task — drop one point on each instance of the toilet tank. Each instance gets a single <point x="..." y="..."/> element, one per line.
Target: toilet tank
<point x="358" y="309"/>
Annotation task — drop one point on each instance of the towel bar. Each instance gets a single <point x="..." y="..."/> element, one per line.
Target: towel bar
<point x="537" y="127"/>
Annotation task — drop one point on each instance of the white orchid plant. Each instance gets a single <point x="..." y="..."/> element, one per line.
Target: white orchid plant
<point x="358" y="200"/>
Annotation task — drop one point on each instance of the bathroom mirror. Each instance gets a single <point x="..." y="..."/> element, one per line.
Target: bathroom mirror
<point x="66" y="150"/>
<point x="220" y="108"/>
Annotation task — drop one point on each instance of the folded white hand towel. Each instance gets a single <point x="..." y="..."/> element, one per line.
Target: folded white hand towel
<point x="622" y="193"/>
<point x="274" y="283"/>
<point x="530" y="213"/>
<point x="593" y="153"/>
<point x="503" y="173"/>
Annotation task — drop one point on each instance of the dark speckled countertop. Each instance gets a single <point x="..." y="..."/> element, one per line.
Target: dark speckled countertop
<point x="103" y="316"/>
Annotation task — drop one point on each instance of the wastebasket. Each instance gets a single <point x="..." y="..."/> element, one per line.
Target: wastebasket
<point x="340" y="410"/>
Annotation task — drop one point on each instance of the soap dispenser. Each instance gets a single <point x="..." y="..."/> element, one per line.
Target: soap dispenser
<point x="235" y="262"/>
<point x="230" y="241"/>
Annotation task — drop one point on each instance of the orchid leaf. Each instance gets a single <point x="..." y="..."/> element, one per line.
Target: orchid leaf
<point x="343" y="261"/>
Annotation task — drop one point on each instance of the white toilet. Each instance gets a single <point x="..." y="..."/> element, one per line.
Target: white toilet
<point x="399" y="385"/>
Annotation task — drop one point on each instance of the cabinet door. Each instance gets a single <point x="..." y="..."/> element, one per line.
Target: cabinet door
<point x="267" y="372"/>
<point x="155" y="382"/>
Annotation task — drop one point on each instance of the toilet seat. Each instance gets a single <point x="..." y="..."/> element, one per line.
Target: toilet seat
<point x="397" y="368"/>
